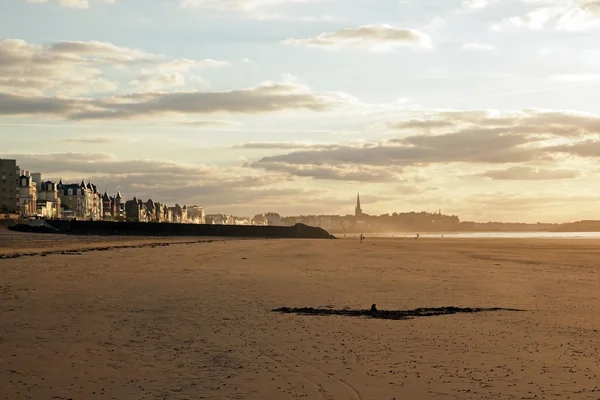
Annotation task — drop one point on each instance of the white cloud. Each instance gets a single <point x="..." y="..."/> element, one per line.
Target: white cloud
<point x="477" y="4"/>
<point x="565" y="15"/>
<point x="258" y="9"/>
<point x="156" y="81"/>
<point x="235" y="5"/>
<point x="576" y="78"/>
<point x="66" y="68"/>
<point x="436" y="23"/>
<point x="72" y="68"/>
<point x="172" y="74"/>
<point x="534" y="20"/>
<point x="77" y="4"/>
<point x="478" y="46"/>
<point x="369" y="37"/>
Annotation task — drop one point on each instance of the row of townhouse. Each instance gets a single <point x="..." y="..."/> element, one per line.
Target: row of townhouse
<point x="224" y="219"/>
<point x="27" y="194"/>
<point x="151" y="211"/>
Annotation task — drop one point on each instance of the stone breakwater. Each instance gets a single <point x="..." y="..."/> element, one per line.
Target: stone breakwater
<point x="298" y="231"/>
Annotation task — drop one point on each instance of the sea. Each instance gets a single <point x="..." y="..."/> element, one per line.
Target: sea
<point x="479" y="235"/>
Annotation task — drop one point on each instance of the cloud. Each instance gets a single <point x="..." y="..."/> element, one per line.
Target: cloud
<point x="348" y="172"/>
<point x="370" y="37"/>
<point x="92" y="140"/>
<point x="265" y="98"/>
<point x="533" y="121"/>
<point x="73" y="68"/>
<point x="436" y="23"/>
<point x="19" y="105"/>
<point x="473" y="146"/>
<point x="210" y="123"/>
<point x="258" y="9"/>
<point x="446" y="137"/>
<point x="98" y="51"/>
<point x="235" y="5"/>
<point x="77" y="4"/>
<point x="156" y="81"/>
<point x="478" y="46"/>
<point x="281" y="146"/>
<point x="575" y="78"/>
<point x="477" y="4"/>
<point x="587" y="148"/>
<point x="525" y="173"/>
<point x="566" y="15"/>
<point x="67" y="68"/>
<point x="172" y="73"/>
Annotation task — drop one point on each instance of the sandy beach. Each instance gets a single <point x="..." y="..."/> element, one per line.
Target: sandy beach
<point x="193" y="319"/>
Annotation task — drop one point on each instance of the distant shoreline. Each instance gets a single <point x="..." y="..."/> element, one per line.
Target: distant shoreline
<point x="478" y="235"/>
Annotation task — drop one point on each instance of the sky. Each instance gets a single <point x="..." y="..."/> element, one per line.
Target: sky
<point x="485" y="109"/>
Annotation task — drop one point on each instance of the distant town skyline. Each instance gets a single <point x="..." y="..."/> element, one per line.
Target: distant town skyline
<point x="486" y="109"/>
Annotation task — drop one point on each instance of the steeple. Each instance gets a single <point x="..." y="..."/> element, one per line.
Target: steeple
<point x="358" y="210"/>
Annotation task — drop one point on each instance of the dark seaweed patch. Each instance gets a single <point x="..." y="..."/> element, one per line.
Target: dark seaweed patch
<point x="389" y="314"/>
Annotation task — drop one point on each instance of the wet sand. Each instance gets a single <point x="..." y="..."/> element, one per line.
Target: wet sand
<point x="192" y="321"/>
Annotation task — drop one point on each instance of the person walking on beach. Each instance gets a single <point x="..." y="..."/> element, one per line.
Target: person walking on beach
<point x="362" y="238"/>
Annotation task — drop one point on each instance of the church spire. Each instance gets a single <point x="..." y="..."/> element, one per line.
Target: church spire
<point x="358" y="210"/>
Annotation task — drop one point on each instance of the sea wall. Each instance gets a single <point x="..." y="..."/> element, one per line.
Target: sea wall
<point x="300" y="231"/>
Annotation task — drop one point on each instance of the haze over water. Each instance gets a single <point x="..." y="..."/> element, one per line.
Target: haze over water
<point x="483" y="235"/>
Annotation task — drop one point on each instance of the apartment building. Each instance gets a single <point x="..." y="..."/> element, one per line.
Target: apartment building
<point x="9" y="192"/>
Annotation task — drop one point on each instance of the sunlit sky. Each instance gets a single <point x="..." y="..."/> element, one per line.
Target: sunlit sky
<point x="487" y="109"/>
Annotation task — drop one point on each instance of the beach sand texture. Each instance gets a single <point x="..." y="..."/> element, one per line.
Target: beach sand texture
<point x="194" y="321"/>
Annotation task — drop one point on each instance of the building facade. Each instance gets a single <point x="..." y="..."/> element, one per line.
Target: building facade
<point x="80" y="201"/>
<point x="112" y="207"/>
<point x="136" y="211"/>
<point x="273" y="219"/>
<point x="196" y="215"/>
<point x="9" y="192"/>
<point x="27" y="195"/>
<point x="48" y="202"/>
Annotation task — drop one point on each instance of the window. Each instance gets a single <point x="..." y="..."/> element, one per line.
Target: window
<point x="70" y="192"/>
<point x="3" y="177"/>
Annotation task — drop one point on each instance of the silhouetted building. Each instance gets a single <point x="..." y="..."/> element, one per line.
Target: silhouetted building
<point x="9" y="187"/>
<point x="358" y="211"/>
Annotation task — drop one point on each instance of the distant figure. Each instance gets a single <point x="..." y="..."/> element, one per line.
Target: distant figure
<point x="417" y="236"/>
<point x="373" y="308"/>
<point x="362" y="238"/>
